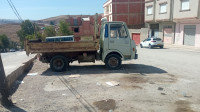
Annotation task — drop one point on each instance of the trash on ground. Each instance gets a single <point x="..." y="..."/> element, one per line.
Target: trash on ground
<point x="14" y="102"/>
<point x="63" y="94"/>
<point x="20" y="82"/>
<point x="160" y="88"/>
<point x="187" y="96"/>
<point x="110" y="110"/>
<point x="78" y="96"/>
<point x="32" y="74"/>
<point x="74" y="76"/>
<point x="21" y="99"/>
<point x="163" y="94"/>
<point x="98" y="83"/>
<point x="112" y="83"/>
<point x="151" y="82"/>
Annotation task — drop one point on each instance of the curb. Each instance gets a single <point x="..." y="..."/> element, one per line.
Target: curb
<point x="12" y="77"/>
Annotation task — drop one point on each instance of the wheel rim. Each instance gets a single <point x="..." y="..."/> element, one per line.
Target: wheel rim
<point x="113" y="62"/>
<point x="58" y="63"/>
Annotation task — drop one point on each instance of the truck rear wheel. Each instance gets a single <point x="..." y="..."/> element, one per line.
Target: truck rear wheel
<point x="59" y="63"/>
<point x="113" y="62"/>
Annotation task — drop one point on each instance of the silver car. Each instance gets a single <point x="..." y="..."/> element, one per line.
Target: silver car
<point x="152" y="42"/>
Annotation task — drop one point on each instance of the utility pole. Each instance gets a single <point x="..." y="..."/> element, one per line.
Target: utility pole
<point x="4" y="92"/>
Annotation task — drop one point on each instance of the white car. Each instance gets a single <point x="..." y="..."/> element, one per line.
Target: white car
<point x="152" y="42"/>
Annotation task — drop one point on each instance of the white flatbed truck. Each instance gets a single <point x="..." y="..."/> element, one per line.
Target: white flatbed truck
<point x="113" y="46"/>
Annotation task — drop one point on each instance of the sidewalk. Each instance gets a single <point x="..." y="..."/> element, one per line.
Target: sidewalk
<point x="15" y="65"/>
<point x="14" y="60"/>
<point x="183" y="47"/>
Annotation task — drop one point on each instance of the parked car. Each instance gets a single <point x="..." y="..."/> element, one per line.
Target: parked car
<point x="12" y="50"/>
<point x="152" y="42"/>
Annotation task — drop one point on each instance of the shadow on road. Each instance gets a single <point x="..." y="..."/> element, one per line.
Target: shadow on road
<point x="15" y="109"/>
<point x="101" y="69"/>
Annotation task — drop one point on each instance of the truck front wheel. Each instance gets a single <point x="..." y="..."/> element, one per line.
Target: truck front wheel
<point x="59" y="63"/>
<point x="113" y="62"/>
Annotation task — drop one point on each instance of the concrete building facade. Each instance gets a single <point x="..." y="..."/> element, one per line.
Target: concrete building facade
<point x="159" y="16"/>
<point x="187" y="18"/>
<point x="175" y="21"/>
<point x="129" y="11"/>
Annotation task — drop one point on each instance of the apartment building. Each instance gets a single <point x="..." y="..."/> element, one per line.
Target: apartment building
<point x="176" y="21"/>
<point x="129" y="11"/>
<point x="187" y="18"/>
<point x="159" y="16"/>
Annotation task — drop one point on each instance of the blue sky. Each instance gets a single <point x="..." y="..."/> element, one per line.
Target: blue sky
<point x="41" y="9"/>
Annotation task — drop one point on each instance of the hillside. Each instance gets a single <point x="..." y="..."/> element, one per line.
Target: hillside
<point x="10" y="30"/>
<point x="10" y="27"/>
<point x="9" y="21"/>
<point x="59" y="18"/>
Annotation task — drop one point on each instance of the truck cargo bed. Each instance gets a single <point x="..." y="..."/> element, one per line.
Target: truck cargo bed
<point x="51" y="47"/>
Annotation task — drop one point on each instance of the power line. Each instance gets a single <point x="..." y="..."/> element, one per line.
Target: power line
<point x="14" y="10"/>
<point x="17" y="14"/>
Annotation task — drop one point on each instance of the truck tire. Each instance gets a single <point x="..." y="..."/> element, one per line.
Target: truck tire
<point x="113" y="62"/>
<point x="141" y="46"/>
<point x="59" y="63"/>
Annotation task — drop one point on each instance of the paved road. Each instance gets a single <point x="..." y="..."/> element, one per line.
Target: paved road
<point x="161" y="80"/>
<point x="13" y="60"/>
<point x="177" y="61"/>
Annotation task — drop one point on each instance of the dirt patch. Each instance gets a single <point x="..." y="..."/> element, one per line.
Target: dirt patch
<point x="163" y="78"/>
<point x="136" y="87"/>
<point x="134" y="79"/>
<point x="130" y="86"/>
<point x="105" y="105"/>
<point x="183" y="106"/>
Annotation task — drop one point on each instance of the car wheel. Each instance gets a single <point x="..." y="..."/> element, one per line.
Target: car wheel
<point x="141" y="46"/>
<point x="113" y="62"/>
<point x="59" y="63"/>
<point x="150" y="47"/>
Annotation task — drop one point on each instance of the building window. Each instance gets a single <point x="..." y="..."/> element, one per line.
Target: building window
<point x="149" y="10"/>
<point x="110" y="18"/>
<point x="185" y="5"/>
<point x="110" y="7"/>
<point x="76" y="30"/>
<point x="163" y="8"/>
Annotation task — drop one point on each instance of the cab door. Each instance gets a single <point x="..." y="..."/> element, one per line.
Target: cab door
<point x="119" y="39"/>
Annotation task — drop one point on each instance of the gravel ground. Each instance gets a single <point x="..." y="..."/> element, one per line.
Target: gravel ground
<point x="154" y="83"/>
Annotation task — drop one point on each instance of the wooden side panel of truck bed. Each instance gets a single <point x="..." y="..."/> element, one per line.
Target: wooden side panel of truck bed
<point x="51" y="47"/>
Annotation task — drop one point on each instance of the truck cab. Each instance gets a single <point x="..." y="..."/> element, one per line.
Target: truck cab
<point x="116" y="44"/>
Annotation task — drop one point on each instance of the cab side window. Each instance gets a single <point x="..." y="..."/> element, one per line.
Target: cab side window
<point x="117" y="31"/>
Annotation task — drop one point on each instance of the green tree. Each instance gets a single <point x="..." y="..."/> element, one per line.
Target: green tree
<point x="28" y="31"/>
<point x="52" y="23"/>
<point x="64" y="29"/>
<point x="13" y="44"/>
<point x="5" y="43"/>
<point x="1" y="46"/>
<point x="27" y="28"/>
<point x="49" y="31"/>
